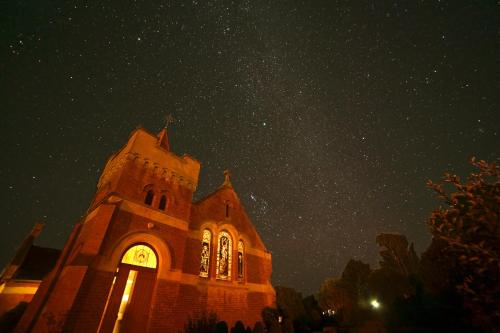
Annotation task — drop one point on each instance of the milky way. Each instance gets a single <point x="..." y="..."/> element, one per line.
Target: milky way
<point x="330" y="115"/>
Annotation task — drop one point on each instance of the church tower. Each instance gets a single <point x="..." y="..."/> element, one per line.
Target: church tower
<point x="146" y="258"/>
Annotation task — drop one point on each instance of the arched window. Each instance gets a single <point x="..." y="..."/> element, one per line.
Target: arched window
<point x="149" y="198"/>
<point x="240" y="260"/>
<point x="140" y="255"/>
<point x="227" y="210"/>
<point x="163" y="202"/>
<point x="224" y="256"/>
<point x="205" y="253"/>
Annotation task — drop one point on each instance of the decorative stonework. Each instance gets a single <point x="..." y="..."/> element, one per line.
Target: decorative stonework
<point x="155" y="168"/>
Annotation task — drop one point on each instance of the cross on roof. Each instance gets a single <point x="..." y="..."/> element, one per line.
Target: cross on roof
<point x="169" y="119"/>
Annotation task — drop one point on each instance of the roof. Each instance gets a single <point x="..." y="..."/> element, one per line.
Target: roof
<point x="212" y="207"/>
<point x="39" y="261"/>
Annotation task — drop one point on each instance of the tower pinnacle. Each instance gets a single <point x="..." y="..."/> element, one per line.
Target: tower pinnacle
<point x="227" y="179"/>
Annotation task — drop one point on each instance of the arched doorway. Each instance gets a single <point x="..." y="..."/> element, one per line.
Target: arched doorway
<point x="128" y="304"/>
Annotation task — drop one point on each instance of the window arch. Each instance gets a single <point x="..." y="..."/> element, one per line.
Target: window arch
<point x="240" y="259"/>
<point x="224" y="256"/>
<point x="149" y="198"/>
<point x="140" y="255"/>
<point x="163" y="202"/>
<point x="205" y="253"/>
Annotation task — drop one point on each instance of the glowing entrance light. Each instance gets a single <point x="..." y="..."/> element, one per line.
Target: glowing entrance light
<point x="123" y="310"/>
<point x="140" y="255"/>
<point x="129" y="289"/>
<point x="375" y="304"/>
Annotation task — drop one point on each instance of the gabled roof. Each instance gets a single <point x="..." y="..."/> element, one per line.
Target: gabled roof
<point x="213" y="208"/>
<point x="39" y="261"/>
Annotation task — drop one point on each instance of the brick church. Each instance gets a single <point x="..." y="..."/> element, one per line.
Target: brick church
<point x="146" y="258"/>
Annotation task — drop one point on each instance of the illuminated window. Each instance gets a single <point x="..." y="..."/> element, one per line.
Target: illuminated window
<point x="163" y="202"/>
<point x="127" y="293"/>
<point x="140" y="255"/>
<point x="240" y="260"/>
<point x="224" y="256"/>
<point x="149" y="198"/>
<point x="205" y="253"/>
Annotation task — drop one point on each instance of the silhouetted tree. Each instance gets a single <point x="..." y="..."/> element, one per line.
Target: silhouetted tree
<point x="269" y="316"/>
<point x="313" y="312"/>
<point x="437" y="268"/>
<point x="334" y="294"/>
<point x="289" y="302"/>
<point x="287" y="326"/>
<point x="386" y="285"/>
<point x="238" y="327"/>
<point x="274" y="328"/>
<point x="258" y="328"/>
<point x="397" y="255"/>
<point x="469" y="226"/>
<point x="221" y="327"/>
<point x="355" y="276"/>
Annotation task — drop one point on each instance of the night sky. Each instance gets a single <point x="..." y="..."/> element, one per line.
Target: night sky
<point x="331" y="115"/>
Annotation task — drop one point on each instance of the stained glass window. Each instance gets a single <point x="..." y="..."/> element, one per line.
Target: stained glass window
<point x="240" y="260"/>
<point x="224" y="256"/>
<point x="205" y="253"/>
<point x="140" y="255"/>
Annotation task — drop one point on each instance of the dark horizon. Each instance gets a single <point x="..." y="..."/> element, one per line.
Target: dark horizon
<point x="331" y="116"/>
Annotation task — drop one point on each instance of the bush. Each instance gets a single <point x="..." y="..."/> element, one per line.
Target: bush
<point x="221" y="327"/>
<point x="258" y="328"/>
<point x="238" y="327"/>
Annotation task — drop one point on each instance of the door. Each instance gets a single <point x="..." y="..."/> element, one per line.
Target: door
<point x="128" y="305"/>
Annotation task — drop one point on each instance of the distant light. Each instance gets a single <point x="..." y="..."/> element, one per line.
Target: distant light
<point x="375" y="304"/>
<point x="328" y="312"/>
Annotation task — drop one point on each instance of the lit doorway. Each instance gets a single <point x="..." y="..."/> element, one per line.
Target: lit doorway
<point x="128" y="303"/>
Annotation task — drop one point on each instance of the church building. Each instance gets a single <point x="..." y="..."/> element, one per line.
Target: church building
<point x="146" y="258"/>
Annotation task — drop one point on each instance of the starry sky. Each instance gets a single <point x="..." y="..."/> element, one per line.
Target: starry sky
<point x="331" y="115"/>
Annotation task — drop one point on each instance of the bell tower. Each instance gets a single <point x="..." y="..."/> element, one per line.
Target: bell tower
<point x="142" y="203"/>
<point x="146" y="171"/>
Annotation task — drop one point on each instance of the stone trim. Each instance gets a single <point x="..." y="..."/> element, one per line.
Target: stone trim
<point x="150" y="213"/>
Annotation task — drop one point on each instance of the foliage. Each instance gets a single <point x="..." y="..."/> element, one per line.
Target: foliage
<point x="289" y="302"/>
<point x="258" y="328"/>
<point x="269" y="316"/>
<point x="312" y="317"/>
<point x="238" y="327"/>
<point x="221" y="327"/>
<point x="274" y="327"/>
<point x="287" y="326"/>
<point x="355" y="276"/>
<point x="334" y="294"/>
<point x="437" y="268"/>
<point x="397" y="255"/>
<point x="469" y="226"/>
<point x="346" y="293"/>
<point x="9" y="319"/>
<point x="387" y="285"/>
